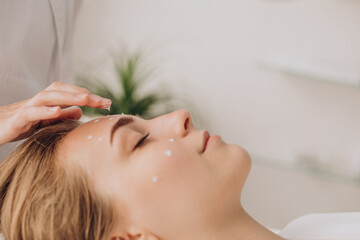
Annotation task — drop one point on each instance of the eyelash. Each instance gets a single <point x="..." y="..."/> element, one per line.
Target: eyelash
<point x="141" y="141"/>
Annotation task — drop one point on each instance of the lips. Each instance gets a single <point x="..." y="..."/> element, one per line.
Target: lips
<point x="206" y="137"/>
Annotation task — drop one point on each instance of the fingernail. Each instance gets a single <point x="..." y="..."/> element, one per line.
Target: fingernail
<point x="82" y="96"/>
<point x="95" y="98"/>
<point x="53" y="109"/>
<point x="106" y="103"/>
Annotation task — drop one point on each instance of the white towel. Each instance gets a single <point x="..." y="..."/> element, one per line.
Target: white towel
<point x="324" y="226"/>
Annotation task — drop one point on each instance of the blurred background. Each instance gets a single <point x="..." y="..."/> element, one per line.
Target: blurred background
<point x="280" y="78"/>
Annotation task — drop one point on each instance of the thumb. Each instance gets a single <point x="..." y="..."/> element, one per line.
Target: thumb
<point x="70" y="113"/>
<point x="66" y="114"/>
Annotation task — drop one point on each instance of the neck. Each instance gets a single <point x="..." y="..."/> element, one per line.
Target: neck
<point x="240" y="226"/>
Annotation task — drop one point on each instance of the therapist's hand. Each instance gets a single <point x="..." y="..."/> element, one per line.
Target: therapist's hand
<point x="21" y="119"/>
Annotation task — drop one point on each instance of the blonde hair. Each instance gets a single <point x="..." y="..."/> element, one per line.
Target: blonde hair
<point x="41" y="199"/>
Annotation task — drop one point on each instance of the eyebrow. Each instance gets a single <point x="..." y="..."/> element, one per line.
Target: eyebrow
<point x="121" y="122"/>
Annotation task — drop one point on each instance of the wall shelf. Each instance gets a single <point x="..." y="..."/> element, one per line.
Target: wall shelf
<point x="306" y="69"/>
<point x="318" y="173"/>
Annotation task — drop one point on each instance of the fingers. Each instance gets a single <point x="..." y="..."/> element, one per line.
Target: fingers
<point x="19" y="119"/>
<point x="60" y="86"/>
<point x="94" y="100"/>
<point x="26" y="115"/>
<point x="66" y="99"/>
<point x="71" y="113"/>
<point x="30" y="114"/>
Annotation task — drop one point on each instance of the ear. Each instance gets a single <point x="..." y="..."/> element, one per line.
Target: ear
<point x="134" y="233"/>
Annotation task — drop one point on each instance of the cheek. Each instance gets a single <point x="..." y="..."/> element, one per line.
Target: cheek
<point x="170" y="172"/>
<point x="162" y="164"/>
<point x="159" y="184"/>
<point x="162" y="169"/>
<point x="153" y="175"/>
<point x="183" y="184"/>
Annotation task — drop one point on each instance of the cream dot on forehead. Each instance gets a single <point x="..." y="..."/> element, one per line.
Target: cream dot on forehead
<point x="168" y="152"/>
<point x="155" y="179"/>
<point x="89" y="137"/>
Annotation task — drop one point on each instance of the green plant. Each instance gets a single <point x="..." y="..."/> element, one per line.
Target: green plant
<point x="128" y="101"/>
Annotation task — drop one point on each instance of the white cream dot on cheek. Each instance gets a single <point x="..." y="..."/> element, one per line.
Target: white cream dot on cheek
<point x="155" y="179"/>
<point x="171" y="139"/>
<point x="168" y="153"/>
<point x="90" y="137"/>
<point x="100" y="139"/>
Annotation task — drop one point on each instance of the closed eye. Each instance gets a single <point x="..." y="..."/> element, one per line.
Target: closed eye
<point x="141" y="141"/>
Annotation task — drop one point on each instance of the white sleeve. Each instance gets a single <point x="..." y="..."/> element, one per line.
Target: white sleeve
<point x="324" y="226"/>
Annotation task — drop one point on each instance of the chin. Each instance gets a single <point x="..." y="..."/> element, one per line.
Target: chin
<point x="234" y="170"/>
<point x="242" y="163"/>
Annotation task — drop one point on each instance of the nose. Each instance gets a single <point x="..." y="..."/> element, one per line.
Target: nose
<point x="182" y="122"/>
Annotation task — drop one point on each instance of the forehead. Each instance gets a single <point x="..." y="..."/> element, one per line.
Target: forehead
<point x="100" y="127"/>
<point x="103" y="126"/>
<point x="93" y="137"/>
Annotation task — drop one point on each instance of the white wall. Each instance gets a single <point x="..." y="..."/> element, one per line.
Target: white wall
<point x="211" y="52"/>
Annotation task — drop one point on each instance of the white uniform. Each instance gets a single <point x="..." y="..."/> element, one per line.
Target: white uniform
<point x="35" y="47"/>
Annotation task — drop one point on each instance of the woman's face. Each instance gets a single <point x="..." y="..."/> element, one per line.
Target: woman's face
<point x="165" y="183"/>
